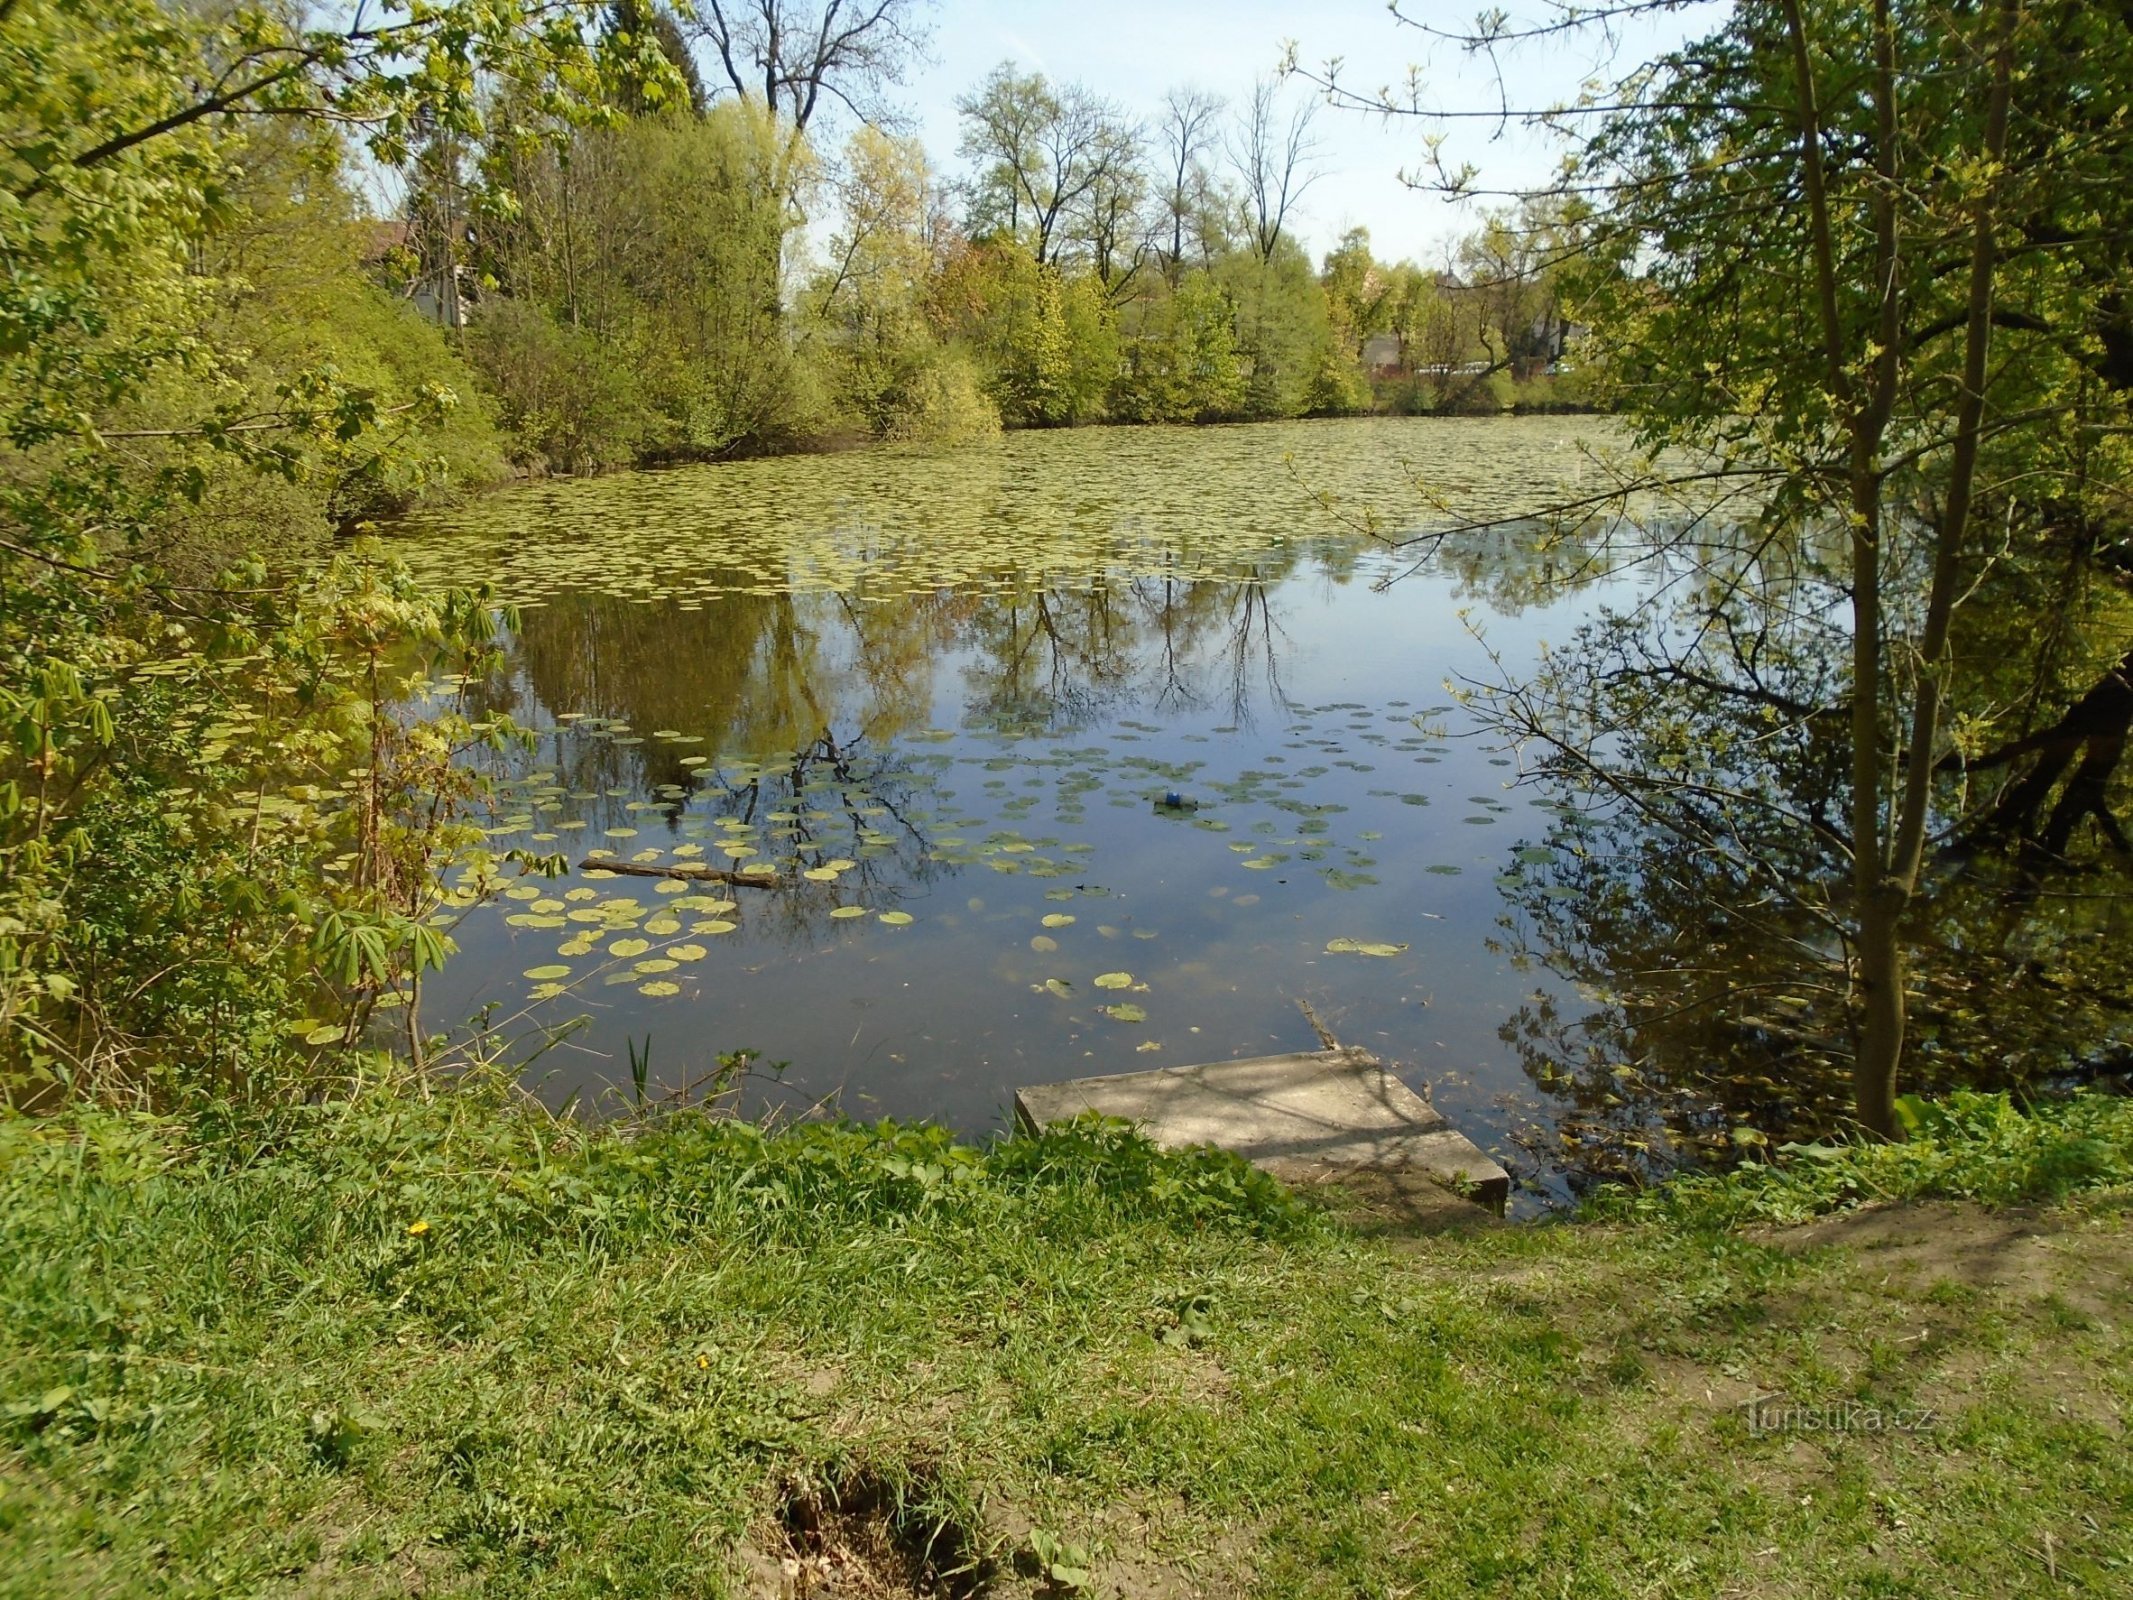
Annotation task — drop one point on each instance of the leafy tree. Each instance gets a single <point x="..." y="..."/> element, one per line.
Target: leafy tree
<point x="1863" y="265"/>
<point x="1358" y="292"/>
<point x="1182" y="364"/>
<point x="176" y="784"/>
<point x="658" y="243"/>
<point x="887" y="369"/>
<point x="1283" y="332"/>
<point x="1049" y="160"/>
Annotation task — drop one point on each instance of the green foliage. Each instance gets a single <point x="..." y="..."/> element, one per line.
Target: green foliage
<point x="1971" y="1146"/>
<point x="1284" y="335"/>
<point x="566" y="403"/>
<point x="281" y="834"/>
<point x="210" y="824"/>
<point x="637" y="307"/>
<point x="1182" y="364"/>
<point x="1047" y="341"/>
<point x="941" y="401"/>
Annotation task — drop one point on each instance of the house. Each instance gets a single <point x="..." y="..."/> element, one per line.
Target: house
<point x="437" y="291"/>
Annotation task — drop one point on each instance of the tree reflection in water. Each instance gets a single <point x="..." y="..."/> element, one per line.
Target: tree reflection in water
<point x="1697" y="891"/>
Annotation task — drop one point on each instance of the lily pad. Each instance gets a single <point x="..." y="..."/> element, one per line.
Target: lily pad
<point x="1362" y="947"/>
<point x="1058" y="919"/>
<point x="623" y="949"/>
<point x="1126" y="1011"/>
<point x="1114" y="980"/>
<point x="659" y="988"/>
<point x="897" y="919"/>
<point x="544" y="974"/>
<point x="846" y="913"/>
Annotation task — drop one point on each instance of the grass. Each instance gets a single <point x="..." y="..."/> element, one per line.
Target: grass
<point x="451" y="1347"/>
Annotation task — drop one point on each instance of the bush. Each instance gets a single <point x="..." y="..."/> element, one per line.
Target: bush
<point x="568" y="404"/>
<point x="942" y="402"/>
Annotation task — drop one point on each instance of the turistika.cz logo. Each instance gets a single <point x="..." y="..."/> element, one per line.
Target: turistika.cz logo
<point x="1775" y="1414"/>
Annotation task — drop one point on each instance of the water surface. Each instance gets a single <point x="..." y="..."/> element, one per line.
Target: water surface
<point x="943" y="697"/>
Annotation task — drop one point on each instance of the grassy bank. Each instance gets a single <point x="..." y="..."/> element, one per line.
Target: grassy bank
<point x="450" y="1347"/>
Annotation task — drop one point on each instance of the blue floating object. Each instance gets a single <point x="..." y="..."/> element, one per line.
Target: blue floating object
<point x="1173" y="801"/>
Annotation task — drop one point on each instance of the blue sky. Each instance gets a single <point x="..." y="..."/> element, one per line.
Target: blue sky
<point x="1133" y="50"/>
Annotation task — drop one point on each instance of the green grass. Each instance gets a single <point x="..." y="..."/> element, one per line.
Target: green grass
<point x="452" y="1347"/>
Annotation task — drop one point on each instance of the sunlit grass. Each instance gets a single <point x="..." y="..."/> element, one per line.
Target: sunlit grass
<point x="462" y="1348"/>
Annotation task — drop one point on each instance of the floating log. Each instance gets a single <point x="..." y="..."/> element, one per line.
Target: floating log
<point x="694" y="871"/>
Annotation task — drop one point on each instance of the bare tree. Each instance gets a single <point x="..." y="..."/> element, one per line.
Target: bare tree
<point x="1275" y="158"/>
<point x="792" y="54"/>
<point x="1188" y="131"/>
<point x="1113" y="220"/>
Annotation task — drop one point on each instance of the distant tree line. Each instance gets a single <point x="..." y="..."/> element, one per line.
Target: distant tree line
<point x="651" y="286"/>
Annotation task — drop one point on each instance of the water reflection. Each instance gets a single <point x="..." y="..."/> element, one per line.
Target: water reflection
<point x="939" y="700"/>
<point x="1700" y="902"/>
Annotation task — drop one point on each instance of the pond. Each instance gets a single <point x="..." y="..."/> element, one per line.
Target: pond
<point x="944" y="700"/>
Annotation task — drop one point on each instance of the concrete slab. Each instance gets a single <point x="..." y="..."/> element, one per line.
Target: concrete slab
<point x="1305" y="1118"/>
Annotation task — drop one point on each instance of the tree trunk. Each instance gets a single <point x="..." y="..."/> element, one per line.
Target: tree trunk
<point x="1883" y="1017"/>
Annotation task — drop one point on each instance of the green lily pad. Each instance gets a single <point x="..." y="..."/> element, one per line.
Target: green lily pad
<point x="1362" y="947"/>
<point x="543" y="974"/>
<point x="1114" y="980"/>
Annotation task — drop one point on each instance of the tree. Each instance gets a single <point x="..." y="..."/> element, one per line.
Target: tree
<point x="148" y="925"/>
<point x="658" y="243"/>
<point x="1112" y="224"/>
<point x="1865" y="263"/>
<point x="794" y="58"/>
<point x="1275" y="158"/>
<point x="886" y="366"/>
<point x="633" y="21"/>
<point x="1188" y="131"/>
<point x="1045" y="158"/>
<point x="1358" y="292"/>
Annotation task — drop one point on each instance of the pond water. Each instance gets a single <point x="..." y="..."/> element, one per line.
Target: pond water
<point x="941" y="700"/>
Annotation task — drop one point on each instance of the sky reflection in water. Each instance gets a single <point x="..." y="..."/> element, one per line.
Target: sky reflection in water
<point x="973" y="677"/>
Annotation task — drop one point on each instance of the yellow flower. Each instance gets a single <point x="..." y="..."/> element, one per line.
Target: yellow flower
<point x="703" y="1361"/>
<point x="418" y="1226"/>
